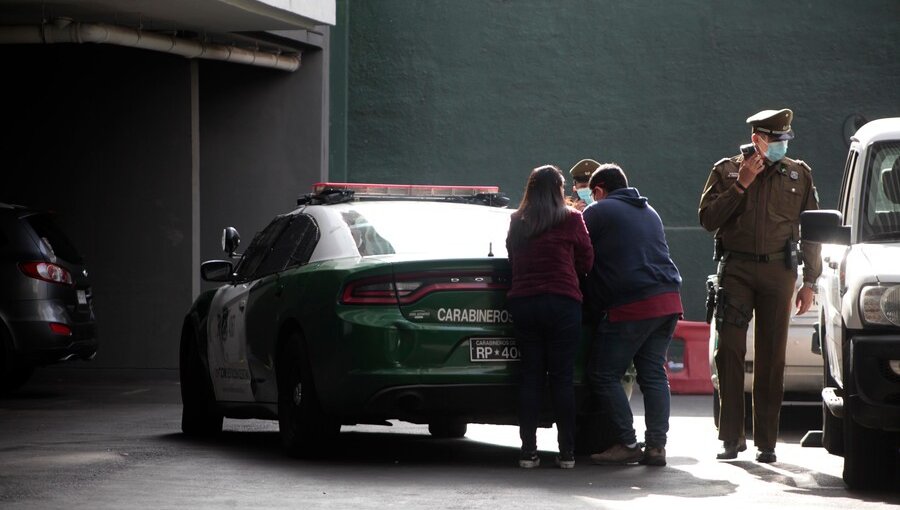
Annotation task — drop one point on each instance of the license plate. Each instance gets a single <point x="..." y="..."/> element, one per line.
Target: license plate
<point x="493" y="349"/>
<point x="82" y="297"/>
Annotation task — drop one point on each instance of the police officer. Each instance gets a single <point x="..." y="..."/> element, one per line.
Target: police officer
<point x="581" y="174"/>
<point x="752" y="202"/>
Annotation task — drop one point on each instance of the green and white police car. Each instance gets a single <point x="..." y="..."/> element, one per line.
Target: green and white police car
<point x="364" y="304"/>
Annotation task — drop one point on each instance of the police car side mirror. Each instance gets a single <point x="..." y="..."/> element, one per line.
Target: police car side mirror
<point x="824" y="226"/>
<point x="217" y="271"/>
<point x="230" y="241"/>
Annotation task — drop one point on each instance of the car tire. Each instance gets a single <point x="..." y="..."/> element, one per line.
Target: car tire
<point x="448" y="428"/>
<point x="870" y="456"/>
<point x="14" y="371"/>
<point x="305" y="429"/>
<point x="199" y="414"/>
<point x="832" y="426"/>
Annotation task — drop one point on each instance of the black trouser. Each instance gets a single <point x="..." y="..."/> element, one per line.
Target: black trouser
<point x="548" y="331"/>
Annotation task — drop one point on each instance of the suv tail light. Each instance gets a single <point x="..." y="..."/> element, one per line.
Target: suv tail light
<point x="60" y="329"/>
<point x="408" y="288"/>
<point x="47" y="271"/>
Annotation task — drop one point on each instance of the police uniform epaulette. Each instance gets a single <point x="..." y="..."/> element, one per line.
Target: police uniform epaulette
<point x="803" y="164"/>
<point x="721" y="161"/>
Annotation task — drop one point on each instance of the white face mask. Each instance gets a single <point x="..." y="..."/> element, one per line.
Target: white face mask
<point x="585" y="195"/>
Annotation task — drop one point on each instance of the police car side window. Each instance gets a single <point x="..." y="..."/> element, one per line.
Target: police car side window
<point x="251" y="266"/>
<point x="293" y="246"/>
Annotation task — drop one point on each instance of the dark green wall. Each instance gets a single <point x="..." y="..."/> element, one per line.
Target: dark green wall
<point x="481" y="91"/>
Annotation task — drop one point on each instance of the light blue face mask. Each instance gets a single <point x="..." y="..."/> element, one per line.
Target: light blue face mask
<point x="776" y="150"/>
<point x="585" y="195"/>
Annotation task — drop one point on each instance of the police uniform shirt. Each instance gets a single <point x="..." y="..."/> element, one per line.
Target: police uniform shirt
<point x="763" y="218"/>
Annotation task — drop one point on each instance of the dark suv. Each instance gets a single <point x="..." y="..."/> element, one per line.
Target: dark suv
<point x="46" y="312"/>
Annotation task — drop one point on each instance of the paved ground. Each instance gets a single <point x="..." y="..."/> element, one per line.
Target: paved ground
<point x="95" y="439"/>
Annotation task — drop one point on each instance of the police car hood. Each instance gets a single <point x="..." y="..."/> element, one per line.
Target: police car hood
<point x="630" y="196"/>
<point x="882" y="259"/>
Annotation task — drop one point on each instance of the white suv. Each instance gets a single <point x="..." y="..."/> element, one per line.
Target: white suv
<point x="859" y="318"/>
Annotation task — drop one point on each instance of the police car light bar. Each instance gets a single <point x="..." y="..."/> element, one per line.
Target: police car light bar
<point x="404" y="190"/>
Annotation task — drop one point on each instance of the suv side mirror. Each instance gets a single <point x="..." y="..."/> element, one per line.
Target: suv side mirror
<point x="217" y="271"/>
<point x="230" y="241"/>
<point x="824" y="226"/>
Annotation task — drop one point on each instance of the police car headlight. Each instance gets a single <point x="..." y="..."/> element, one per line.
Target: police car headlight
<point x="880" y="305"/>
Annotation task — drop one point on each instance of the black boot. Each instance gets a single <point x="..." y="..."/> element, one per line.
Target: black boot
<point x="766" y="456"/>
<point x="730" y="449"/>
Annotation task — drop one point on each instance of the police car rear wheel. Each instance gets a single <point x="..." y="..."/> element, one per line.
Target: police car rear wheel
<point x="448" y="428"/>
<point x="199" y="416"/>
<point x="305" y="429"/>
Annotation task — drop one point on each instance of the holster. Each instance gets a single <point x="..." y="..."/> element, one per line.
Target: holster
<point x="718" y="250"/>
<point x="791" y="254"/>
<point x="710" y="300"/>
<point x="733" y="313"/>
<point x="721" y="304"/>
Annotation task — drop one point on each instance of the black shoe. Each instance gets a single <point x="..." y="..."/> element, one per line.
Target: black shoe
<point x="766" y="456"/>
<point x="529" y="459"/>
<point x="730" y="449"/>
<point x="565" y="460"/>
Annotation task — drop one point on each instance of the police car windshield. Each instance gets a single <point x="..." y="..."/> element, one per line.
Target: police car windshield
<point x="427" y="228"/>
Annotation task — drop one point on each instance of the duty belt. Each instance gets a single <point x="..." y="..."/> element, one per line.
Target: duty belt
<point x="739" y="255"/>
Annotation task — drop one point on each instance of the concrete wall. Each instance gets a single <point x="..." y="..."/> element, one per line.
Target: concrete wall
<point x="262" y="136"/>
<point x="480" y="92"/>
<point x="106" y="136"/>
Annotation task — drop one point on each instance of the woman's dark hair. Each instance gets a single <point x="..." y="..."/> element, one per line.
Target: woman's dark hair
<point x="608" y="176"/>
<point x="542" y="208"/>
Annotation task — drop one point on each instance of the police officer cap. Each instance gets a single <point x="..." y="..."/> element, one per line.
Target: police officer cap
<point x="583" y="169"/>
<point x="775" y="123"/>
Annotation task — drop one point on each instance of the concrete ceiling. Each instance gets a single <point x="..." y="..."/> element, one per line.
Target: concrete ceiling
<point x="202" y="16"/>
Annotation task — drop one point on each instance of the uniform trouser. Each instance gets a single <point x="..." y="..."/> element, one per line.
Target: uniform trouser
<point x="766" y="289"/>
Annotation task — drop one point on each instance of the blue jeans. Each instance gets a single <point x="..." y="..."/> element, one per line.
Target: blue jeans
<point x="548" y="330"/>
<point x="645" y="342"/>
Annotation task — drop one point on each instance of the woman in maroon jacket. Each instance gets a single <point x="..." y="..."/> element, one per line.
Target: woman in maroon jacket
<point x="548" y="248"/>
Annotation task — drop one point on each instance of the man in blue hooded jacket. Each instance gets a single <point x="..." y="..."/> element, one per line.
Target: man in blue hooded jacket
<point x="633" y="291"/>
